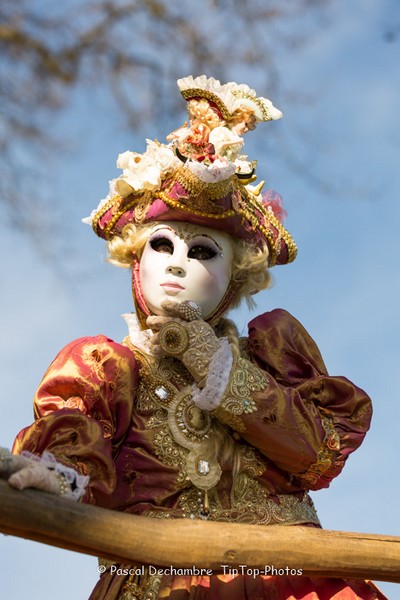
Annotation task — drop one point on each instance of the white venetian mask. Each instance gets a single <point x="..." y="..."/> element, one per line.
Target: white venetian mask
<point x="186" y="262"/>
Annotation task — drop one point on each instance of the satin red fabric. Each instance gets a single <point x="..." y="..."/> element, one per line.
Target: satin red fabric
<point x="88" y="416"/>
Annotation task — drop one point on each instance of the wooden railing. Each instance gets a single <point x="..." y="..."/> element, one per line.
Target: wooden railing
<point x="136" y="540"/>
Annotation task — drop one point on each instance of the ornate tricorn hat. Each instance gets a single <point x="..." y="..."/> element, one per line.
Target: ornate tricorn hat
<point x="200" y="175"/>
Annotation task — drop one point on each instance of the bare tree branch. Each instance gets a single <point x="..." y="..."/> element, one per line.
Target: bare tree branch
<point x="137" y="48"/>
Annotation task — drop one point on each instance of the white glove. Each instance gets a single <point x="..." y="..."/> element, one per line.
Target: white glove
<point x="42" y="473"/>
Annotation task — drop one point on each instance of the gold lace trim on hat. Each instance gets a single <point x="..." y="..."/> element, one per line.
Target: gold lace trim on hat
<point x="200" y="203"/>
<point x="250" y="216"/>
<point x="263" y="109"/>
<point x="197" y="187"/>
<point x="200" y="93"/>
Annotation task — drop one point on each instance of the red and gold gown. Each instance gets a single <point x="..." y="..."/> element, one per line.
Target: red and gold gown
<point x="126" y="419"/>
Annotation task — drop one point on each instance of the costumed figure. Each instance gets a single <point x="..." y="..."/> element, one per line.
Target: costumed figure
<point x="184" y="420"/>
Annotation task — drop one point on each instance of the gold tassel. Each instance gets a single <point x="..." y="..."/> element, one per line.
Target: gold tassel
<point x="206" y="504"/>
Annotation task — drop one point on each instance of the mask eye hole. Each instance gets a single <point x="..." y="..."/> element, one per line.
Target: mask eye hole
<point x="201" y="252"/>
<point x="162" y="244"/>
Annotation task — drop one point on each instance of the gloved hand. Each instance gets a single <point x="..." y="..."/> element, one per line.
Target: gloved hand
<point x="23" y="472"/>
<point x="184" y="335"/>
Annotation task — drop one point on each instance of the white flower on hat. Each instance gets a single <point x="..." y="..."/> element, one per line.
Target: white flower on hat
<point x="127" y="160"/>
<point x="226" y="142"/>
<point x="163" y="156"/>
<point x="142" y="174"/>
<point x="145" y="171"/>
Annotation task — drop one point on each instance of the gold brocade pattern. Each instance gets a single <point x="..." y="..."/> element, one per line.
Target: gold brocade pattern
<point x="251" y="463"/>
<point x="201" y="194"/>
<point x="156" y="389"/>
<point x="182" y="433"/>
<point x="142" y="208"/>
<point x="168" y="450"/>
<point x="155" y="393"/>
<point x="140" y="587"/>
<point x="245" y="378"/>
<point x="183" y="428"/>
<point x="251" y="504"/>
<point x="191" y="209"/>
<point x="326" y="454"/>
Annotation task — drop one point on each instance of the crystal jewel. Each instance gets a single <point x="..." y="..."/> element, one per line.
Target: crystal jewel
<point x="203" y="467"/>
<point x="161" y="392"/>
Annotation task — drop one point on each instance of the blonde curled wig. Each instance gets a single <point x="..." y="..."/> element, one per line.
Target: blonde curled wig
<point x="202" y="111"/>
<point x="242" y="114"/>
<point x="249" y="270"/>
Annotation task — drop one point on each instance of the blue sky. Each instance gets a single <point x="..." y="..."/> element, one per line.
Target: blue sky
<point x="344" y="285"/>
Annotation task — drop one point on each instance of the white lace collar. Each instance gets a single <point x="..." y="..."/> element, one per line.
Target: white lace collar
<point x="139" y="337"/>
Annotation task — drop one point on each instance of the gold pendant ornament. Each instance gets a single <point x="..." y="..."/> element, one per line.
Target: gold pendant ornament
<point x="189" y="424"/>
<point x="190" y="427"/>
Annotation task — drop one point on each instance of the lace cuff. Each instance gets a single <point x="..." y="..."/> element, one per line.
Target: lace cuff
<point x="217" y="380"/>
<point x="245" y="378"/>
<point x="326" y="454"/>
<point x="77" y="483"/>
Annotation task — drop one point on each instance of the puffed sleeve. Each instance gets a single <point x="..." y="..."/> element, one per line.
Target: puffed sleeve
<point x="284" y="403"/>
<point x="83" y="408"/>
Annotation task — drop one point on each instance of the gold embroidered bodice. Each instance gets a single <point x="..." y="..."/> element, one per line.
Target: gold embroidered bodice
<point x="214" y="483"/>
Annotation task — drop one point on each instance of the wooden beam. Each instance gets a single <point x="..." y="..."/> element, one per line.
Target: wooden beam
<point x="131" y="539"/>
